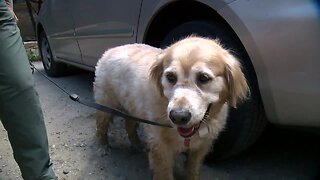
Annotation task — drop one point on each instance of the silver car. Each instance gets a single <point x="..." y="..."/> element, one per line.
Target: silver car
<point x="278" y="43"/>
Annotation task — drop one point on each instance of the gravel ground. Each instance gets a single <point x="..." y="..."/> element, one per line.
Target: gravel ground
<point x="280" y="154"/>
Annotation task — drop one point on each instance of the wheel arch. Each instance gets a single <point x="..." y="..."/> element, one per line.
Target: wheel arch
<point x="156" y="30"/>
<point x="161" y="24"/>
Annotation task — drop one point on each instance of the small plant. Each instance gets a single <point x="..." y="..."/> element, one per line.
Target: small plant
<point x="33" y="54"/>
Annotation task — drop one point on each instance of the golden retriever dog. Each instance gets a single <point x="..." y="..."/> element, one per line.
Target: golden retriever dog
<point x="187" y="85"/>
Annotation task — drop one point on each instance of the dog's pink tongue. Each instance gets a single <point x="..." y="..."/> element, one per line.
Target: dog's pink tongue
<point x="186" y="132"/>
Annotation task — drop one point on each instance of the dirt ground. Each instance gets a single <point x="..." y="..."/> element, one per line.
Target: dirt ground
<point x="280" y="154"/>
<point x="73" y="147"/>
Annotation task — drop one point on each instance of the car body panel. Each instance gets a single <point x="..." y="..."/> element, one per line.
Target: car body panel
<point x="109" y="27"/>
<point x="290" y="89"/>
<point x="283" y="43"/>
<point x="60" y="30"/>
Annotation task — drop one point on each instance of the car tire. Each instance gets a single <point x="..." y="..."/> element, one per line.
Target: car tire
<point x="245" y="123"/>
<point x="51" y="66"/>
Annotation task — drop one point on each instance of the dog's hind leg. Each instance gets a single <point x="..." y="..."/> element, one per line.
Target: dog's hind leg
<point x="103" y="119"/>
<point x="131" y="128"/>
<point x="102" y="124"/>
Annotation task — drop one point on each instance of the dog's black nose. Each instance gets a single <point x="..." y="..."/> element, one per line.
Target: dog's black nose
<point x="180" y="116"/>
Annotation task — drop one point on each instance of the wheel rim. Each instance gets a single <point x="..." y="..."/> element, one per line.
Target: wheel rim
<point x="46" y="53"/>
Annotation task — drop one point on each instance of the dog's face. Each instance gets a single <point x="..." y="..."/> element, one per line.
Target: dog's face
<point x="194" y="73"/>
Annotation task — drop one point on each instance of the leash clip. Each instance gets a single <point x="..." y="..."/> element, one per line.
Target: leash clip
<point x="74" y="97"/>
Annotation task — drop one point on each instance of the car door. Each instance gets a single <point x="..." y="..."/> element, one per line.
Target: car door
<point x="56" y="18"/>
<point x="100" y="25"/>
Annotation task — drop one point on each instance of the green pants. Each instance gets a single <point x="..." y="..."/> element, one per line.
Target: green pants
<point x="20" y="110"/>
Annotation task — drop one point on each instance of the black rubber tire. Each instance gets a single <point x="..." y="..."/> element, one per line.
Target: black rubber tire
<point x="246" y="123"/>
<point x="51" y="66"/>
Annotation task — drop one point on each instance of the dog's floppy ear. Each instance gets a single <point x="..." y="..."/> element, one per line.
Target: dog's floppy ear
<point x="156" y="71"/>
<point x="237" y="84"/>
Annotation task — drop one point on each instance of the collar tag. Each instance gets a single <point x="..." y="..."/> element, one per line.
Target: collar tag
<point x="203" y="131"/>
<point x="187" y="142"/>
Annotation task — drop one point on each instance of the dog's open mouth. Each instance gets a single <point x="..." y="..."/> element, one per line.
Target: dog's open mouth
<point x="188" y="132"/>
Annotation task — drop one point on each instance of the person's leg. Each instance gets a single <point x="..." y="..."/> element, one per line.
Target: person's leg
<point x="20" y="110"/>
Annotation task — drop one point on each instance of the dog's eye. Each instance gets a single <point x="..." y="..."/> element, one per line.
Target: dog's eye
<point x="203" y="78"/>
<point x="171" y="77"/>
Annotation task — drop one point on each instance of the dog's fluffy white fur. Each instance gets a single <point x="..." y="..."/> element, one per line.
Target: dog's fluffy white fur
<point x="153" y="83"/>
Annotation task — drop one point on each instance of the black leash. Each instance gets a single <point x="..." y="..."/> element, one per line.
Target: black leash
<point x="99" y="107"/>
